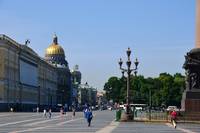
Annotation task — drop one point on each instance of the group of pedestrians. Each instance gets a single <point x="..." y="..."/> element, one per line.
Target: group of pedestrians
<point x="45" y="113"/>
<point x="62" y="112"/>
<point x="87" y="114"/>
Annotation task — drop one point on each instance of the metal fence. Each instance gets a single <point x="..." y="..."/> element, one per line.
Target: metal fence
<point x="150" y="115"/>
<point x="165" y="116"/>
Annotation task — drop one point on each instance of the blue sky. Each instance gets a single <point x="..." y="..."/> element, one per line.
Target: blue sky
<point x="96" y="33"/>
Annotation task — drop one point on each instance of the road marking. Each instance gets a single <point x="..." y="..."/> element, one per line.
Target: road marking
<point x="61" y="123"/>
<point x="15" y="114"/>
<point x="43" y="127"/>
<point x="181" y="129"/>
<point x="30" y="129"/>
<point x="2" y="115"/>
<point x="109" y="128"/>
<point x="39" y="122"/>
<point x="12" y="123"/>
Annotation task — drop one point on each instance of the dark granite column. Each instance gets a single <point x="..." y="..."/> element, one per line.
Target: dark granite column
<point x="191" y="96"/>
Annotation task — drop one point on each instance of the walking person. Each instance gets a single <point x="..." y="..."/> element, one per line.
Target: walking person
<point x="173" y="118"/>
<point x="89" y="116"/>
<point x="45" y="113"/>
<point x="37" y="109"/>
<point x="49" y="113"/>
<point x="61" y="113"/>
<point x="84" y="112"/>
<point x="11" y="109"/>
<point x="73" y="112"/>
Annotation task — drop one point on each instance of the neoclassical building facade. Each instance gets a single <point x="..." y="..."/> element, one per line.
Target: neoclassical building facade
<point x="28" y="81"/>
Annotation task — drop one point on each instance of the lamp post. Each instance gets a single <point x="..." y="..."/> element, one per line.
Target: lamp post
<point x="128" y="115"/>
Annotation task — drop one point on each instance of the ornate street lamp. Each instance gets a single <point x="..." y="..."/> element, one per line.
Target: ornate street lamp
<point x="128" y="114"/>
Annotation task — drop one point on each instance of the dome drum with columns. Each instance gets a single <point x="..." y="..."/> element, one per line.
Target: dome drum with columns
<point x="55" y="54"/>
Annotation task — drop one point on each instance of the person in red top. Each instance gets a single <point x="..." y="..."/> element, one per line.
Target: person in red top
<point x="173" y="118"/>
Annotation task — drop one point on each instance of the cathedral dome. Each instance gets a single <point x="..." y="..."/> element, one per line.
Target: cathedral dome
<point x="55" y="54"/>
<point x="54" y="49"/>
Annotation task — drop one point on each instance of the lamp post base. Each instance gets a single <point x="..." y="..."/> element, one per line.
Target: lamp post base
<point x="126" y="117"/>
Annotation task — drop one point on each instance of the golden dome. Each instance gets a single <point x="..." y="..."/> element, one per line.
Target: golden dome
<point x="54" y="48"/>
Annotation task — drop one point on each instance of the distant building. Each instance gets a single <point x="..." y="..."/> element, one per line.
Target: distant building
<point x="87" y="95"/>
<point x="101" y="99"/>
<point x="28" y="81"/>
<point x="76" y="75"/>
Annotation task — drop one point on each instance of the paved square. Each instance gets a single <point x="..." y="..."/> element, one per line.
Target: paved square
<point x="103" y="122"/>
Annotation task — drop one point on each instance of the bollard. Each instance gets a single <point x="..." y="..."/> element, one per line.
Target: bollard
<point x="118" y="115"/>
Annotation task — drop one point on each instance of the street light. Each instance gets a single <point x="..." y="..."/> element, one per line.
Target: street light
<point x="128" y="115"/>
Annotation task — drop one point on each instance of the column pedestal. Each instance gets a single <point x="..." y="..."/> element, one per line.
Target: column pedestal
<point x="126" y="117"/>
<point x="191" y="101"/>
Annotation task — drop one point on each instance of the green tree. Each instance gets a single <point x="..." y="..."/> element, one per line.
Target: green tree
<point x="113" y="89"/>
<point x="177" y="90"/>
<point x="163" y="90"/>
<point x="167" y="82"/>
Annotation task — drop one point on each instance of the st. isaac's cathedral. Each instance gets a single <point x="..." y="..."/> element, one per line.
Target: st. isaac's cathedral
<point x="28" y="81"/>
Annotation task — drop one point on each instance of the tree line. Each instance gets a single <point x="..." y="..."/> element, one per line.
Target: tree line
<point x="164" y="90"/>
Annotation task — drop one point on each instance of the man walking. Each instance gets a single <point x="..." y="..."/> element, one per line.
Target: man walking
<point x="89" y="116"/>
<point x="49" y="113"/>
<point x="73" y="112"/>
<point x="37" y="109"/>
<point x="45" y="113"/>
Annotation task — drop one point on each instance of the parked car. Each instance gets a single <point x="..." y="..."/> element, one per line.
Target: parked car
<point x="171" y="108"/>
<point x="138" y="108"/>
<point x="109" y="108"/>
<point x="122" y="106"/>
